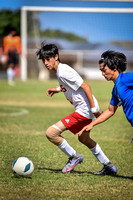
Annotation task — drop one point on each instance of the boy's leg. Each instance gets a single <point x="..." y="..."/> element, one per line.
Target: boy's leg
<point x="109" y="168"/>
<point x="53" y="133"/>
<point x="10" y="76"/>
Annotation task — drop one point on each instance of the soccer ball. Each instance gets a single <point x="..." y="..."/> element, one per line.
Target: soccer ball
<point x="22" y="166"/>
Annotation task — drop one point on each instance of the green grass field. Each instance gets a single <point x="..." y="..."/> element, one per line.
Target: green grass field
<point x="23" y="134"/>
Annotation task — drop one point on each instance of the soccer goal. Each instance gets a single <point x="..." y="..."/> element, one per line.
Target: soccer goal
<point x="79" y="48"/>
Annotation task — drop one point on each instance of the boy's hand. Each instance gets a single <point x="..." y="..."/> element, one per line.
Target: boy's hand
<point x="86" y="128"/>
<point x="51" y="91"/>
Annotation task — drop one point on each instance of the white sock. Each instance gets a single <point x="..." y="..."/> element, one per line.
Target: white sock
<point x="67" y="149"/>
<point x="98" y="153"/>
<point x="10" y="74"/>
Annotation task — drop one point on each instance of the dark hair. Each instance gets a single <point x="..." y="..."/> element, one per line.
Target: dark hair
<point x="47" y="51"/>
<point x="13" y="29"/>
<point x="8" y="29"/>
<point x="114" y="60"/>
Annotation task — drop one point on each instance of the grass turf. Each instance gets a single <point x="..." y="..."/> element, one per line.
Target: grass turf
<point x="24" y="135"/>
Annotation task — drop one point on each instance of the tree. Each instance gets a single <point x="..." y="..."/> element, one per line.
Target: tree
<point x="9" y="18"/>
<point x="60" y="34"/>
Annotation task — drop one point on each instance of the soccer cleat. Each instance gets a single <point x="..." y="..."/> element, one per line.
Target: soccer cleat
<point x="71" y="164"/>
<point x="107" y="170"/>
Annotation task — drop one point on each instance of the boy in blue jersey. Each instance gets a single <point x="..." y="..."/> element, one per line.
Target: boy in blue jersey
<point x="112" y="64"/>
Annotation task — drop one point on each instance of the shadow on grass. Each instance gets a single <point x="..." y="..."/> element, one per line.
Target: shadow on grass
<point x="125" y="177"/>
<point x="22" y="177"/>
<point x="60" y="171"/>
<point x="83" y="172"/>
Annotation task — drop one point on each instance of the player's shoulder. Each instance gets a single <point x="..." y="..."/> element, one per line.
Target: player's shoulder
<point x="7" y="37"/>
<point x="126" y="75"/>
<point x="64" y="69"/>
<point x="16" y="37"/>
<point x="63" y="66"/>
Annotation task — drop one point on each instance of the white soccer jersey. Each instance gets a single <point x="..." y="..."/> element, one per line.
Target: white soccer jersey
<point x="70" y="82"/>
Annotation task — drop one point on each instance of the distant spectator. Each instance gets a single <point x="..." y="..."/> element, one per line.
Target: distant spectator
<point x="12" y="49"/>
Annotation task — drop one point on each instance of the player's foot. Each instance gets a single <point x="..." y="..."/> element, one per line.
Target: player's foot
<point x="11" y="83"/>
<point x="71" y="164"/>
<point x="107" y="170"/>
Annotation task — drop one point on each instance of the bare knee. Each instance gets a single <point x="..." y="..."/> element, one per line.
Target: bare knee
<point x="48" y="133"/>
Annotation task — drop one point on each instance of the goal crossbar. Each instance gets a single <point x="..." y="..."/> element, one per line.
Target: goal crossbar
<point x="55" y="9"/>
<point x="79" y="9"/>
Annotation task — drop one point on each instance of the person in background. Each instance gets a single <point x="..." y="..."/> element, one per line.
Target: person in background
<point x="12" y="50"/>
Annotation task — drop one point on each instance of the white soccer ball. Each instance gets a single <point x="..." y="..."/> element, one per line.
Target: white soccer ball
<point x="23" y="166"/>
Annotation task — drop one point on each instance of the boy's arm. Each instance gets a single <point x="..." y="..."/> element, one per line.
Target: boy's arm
<point x="87" y="90"/>
<point x="103" y="117"/>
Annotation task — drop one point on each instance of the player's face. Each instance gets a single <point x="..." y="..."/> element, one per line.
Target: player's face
<point x="51" y="63"/>
<point x="107" y="72"/>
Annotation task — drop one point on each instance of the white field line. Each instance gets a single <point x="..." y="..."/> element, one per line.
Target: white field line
<point x="37" y="104"/>
<point x="18" y="112"/>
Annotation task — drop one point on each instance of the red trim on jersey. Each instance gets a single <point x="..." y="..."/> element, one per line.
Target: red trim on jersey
<point x="75" y="122"/>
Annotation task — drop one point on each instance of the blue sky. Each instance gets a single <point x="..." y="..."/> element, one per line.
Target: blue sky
<point x="95" y="27"/>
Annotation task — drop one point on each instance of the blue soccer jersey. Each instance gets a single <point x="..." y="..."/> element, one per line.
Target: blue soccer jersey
<point x="122" y="94"/>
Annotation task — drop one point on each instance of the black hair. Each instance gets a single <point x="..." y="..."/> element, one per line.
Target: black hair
<point x="13" y="29"/>
<point x="47" y="51"/>
<point x="8" y="29"/>
<point x="114" y="60"/>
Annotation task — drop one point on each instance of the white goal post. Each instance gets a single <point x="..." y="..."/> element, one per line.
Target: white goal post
<point x="55" y="9"/>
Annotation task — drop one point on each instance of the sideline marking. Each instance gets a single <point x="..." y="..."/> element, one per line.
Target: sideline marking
<point x="21" y="111"/>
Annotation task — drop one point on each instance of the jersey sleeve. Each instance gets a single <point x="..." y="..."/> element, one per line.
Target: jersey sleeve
<point x="114" y="100"/>
<point x="128" y="79"/>
<point x="72" y="79"/>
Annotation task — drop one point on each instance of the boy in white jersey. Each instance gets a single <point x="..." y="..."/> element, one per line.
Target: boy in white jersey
<point x="78" y="92"/>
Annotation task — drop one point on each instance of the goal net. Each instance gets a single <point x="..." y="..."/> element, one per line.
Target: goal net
<point x="82" y="35"/>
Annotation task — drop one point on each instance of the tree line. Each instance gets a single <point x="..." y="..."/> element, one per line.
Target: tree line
<point x="9" y="18"/>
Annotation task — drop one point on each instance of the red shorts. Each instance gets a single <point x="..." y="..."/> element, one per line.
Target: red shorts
<point x="75" y="122"/>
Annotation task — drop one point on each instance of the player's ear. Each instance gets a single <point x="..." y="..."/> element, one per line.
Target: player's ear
<point x="115" y="69"/>
<point x="56" y="57"/>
